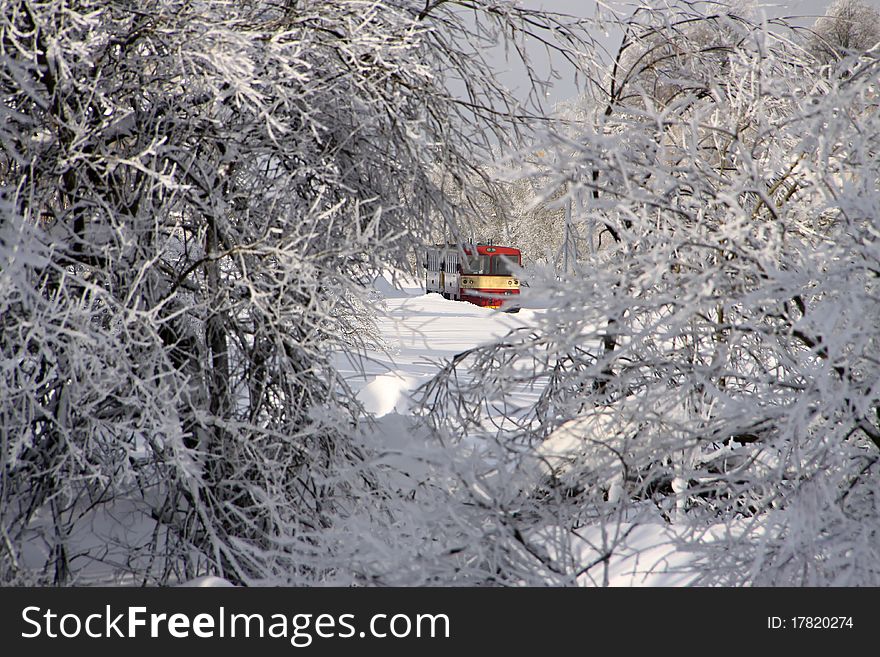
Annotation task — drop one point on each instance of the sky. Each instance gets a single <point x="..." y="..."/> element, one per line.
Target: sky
<point x="565" y="88"/>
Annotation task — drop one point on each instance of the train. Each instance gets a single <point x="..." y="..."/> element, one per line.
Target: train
<point x="483" y="274"/>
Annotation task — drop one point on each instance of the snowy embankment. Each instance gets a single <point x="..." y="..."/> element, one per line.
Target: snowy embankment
<point x="420" y="332"/>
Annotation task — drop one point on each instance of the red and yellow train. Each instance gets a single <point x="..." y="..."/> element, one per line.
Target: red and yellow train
<point x="482" y="274"/>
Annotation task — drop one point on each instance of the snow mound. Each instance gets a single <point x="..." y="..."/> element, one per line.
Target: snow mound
<point x="208" y="581"/>
<point x="387" y="393"/>
<point x="623" y="554"/>
<point x="397" y="286"/>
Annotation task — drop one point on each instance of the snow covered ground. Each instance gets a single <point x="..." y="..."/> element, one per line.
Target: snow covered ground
<point x="420" y="332"/>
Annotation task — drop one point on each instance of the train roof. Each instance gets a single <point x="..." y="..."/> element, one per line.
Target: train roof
<point x="493" y="249"/>
<point x="481" y="249"/>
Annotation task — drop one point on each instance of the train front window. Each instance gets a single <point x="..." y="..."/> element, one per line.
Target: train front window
<point x="503" y="265"/>
<point x="476" y="265"/>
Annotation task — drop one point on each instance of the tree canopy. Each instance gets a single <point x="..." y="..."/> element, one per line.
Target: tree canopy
<point x="195" y="197"/>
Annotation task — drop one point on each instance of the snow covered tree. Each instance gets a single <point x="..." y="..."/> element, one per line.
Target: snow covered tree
<point x="848" y="27"/>
<point x="713" y="366"/>
<point x="194" y="197"/>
